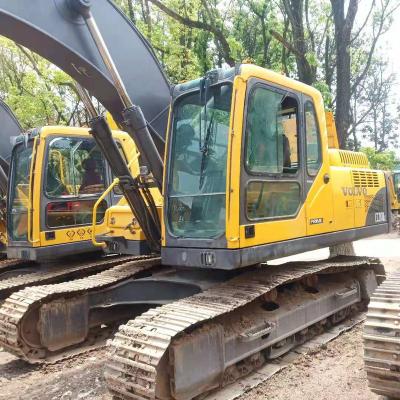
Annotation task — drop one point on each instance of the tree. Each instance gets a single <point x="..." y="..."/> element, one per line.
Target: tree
<point x="297" y="11"/>
<point x="385" y="160"/>
<point x="376" y="105"/>
<point x="37" y="91"/>
<point x="343" y="28"/>
<point x="214" y="25"/>
<point x="355" y="53"/>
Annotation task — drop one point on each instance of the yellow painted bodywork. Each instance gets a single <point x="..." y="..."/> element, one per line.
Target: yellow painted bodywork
<point x="333" y="142"/>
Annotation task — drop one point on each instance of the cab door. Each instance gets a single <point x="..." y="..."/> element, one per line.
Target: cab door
<point x="318" y="182"/>
<point x="272" y="177"/>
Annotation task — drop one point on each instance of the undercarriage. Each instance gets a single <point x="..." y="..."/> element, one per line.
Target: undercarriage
<point x="225" y="323"/>
<point x="203" y="342"/>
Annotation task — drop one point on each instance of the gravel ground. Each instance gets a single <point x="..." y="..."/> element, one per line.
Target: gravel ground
<point x="331" y="373"/>
<point x="335" y="372"/>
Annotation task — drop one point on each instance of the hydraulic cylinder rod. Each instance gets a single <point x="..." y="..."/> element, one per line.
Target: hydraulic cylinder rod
<point x="130" y="186"/>
<point x="135" y="122"/>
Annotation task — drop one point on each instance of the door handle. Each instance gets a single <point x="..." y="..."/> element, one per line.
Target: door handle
<point x="327" y="178"/>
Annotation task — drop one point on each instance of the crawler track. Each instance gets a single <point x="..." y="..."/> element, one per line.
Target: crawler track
<point x="382" y="339"/>
<point x="143" y="362"/>
<point x="51" y="273"/>
<point x="20" y="318"/>
<point x="7" y="265"/>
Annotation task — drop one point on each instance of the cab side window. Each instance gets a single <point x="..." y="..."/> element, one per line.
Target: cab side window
<point x="272" y="132"/>
<point x="75" y="178"/>
<point x="314" y="156"/>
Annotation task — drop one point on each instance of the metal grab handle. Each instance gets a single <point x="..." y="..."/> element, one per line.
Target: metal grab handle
<point x="347" y="293"/>
<point x="30" y="208"/>
<point x="257" y="332"/>
<point x="94" y="213"/>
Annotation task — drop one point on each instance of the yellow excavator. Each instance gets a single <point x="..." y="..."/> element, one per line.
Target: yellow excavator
<point x="242" y="160"/>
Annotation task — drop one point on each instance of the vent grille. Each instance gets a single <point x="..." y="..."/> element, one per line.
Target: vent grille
<point x="365" y="179"/>
<point x="351" y="158"/>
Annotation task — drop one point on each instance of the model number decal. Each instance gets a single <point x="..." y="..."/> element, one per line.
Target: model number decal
<point x="316" y="221"/>
<point x="380" y="217"/>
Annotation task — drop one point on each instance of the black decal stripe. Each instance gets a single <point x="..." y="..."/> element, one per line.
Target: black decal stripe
<point x="378" y="204"/>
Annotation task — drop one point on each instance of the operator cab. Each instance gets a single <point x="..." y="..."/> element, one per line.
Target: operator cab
<point x="249" y="176"/>
<point x="57" y="175"/>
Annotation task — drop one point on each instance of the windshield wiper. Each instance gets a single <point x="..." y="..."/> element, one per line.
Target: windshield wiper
<point x="205" y="150"/>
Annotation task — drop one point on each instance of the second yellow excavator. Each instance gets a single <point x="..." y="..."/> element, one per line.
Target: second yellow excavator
<point x="51" y="181"/>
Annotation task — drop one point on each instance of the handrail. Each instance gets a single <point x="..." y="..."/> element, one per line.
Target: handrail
<point x="94" y="213"/>
<point x="100" y="199"/>
<point x="30" y="194"/>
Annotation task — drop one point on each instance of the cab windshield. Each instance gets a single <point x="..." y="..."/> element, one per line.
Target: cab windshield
<point x="196" y="191"/>
<point x="19" y="191"/>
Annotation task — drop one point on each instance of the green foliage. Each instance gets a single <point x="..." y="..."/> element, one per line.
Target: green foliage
<point x="385" y="160"/>
<point x="232" y="31"/>
<point x="326" y="93"/>
<point x="34" y="89"/>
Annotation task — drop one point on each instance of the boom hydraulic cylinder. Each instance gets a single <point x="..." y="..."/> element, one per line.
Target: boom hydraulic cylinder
<point x="135" y="123"/>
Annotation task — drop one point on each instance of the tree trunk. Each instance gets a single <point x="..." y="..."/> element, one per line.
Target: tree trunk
<point x="294" y="11"/>
<point x="131" y="13"/>
<point x="343" y="29"/>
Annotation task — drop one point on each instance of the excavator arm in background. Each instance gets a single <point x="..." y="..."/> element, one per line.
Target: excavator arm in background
<point x="10" y="127"/>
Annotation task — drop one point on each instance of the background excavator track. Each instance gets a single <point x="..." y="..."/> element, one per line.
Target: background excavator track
<point x="25" y="274"/>
<point x="12" y="264"/>
<point x="20" y="317"/>
<point x="382" y="339"/>
<point x="143" y="350"/>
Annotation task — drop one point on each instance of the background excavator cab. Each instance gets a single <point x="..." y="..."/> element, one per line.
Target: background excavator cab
<point x="57" y="174"/>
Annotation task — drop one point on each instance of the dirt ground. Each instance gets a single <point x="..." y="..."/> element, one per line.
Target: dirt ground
<point x="333" y="372"/>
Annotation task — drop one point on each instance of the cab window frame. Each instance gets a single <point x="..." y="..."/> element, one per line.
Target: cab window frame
<point x="286" y="92"/>
<point x="308" y="100"/>
<point x="275" y="217"/>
